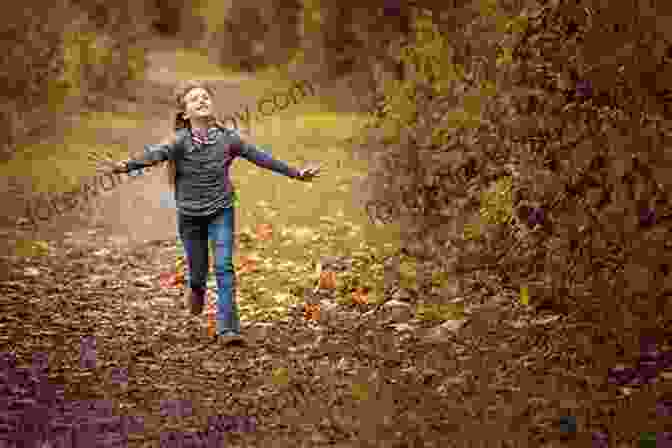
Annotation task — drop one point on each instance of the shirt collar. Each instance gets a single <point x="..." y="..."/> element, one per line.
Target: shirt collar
<point x="208" y="137"/>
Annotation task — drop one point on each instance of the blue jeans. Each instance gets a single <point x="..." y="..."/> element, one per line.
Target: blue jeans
<point x="195" y="232"/>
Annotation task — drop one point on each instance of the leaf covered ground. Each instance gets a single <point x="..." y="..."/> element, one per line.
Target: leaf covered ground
<point x="343" y="348"/>
<point x="357" y="373"/>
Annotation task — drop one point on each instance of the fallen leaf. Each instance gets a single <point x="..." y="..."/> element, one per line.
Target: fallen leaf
<point x="360" y="392"/>
<point x="327" y="280"/>
<point x="247" y="265"/>
<point x="281" y="376"/>
<point x="311" y="312"/>
<point x="360" y="296"/>
<point x="171" y="280"/>
<point x="264" y="232"/>
<point x="165" y="279"/>
<point x="524" y="295"/>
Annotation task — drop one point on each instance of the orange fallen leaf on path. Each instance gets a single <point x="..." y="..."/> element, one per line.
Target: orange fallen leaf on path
<point x="171" y="280"/>
<point x="327" y="280"/>
<point x="164" y="279"/>
<point x="246" y="265"/>
<point x="264" y="232"/>
<point x="311" y="312"/>
<point x="360" y="296"/>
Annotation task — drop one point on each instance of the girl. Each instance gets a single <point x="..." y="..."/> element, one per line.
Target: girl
<point x="168" y="201"/>
<point x="199" y="157"/>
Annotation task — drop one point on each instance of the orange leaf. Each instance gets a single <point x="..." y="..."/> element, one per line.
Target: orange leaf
<point x="164" y="279"/>
<point x="170" y="280"/>
<point x="264" y="232"/>
<point x="247" y="265"/>
<point x="360" y="296"/>
<point x="178" y="279"/>
<point x="210" y="317"/>
<point x="327" y="280"/>
<point x="311" y="312"/>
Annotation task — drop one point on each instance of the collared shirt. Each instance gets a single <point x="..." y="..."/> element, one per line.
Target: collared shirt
<point x="202" y="184"/>
<point x="202" y="137"/>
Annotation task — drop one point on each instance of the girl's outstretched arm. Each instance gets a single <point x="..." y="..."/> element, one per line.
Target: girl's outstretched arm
<point x="262" y="159"/>
<point x="154" y="153"/>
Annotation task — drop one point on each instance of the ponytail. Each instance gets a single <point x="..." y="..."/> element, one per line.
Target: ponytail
<point x="171" y="168"/>
<point x="181" y="122"/>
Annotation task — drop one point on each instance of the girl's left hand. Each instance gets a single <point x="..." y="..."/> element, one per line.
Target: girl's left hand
<point x="309" y="173"/>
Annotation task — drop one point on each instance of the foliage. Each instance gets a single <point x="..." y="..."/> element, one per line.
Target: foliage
<point x="51" y="68"/>
<point x="28" y="61"/>
<point x="510" y="112"/>
<point x="344" y="37"/>
<point x="253" y="35"/>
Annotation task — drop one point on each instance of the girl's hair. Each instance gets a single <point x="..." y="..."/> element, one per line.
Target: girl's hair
<point x="181" y="123"/>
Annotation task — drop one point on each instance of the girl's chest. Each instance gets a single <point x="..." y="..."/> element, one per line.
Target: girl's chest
<point x="208" y="157"/>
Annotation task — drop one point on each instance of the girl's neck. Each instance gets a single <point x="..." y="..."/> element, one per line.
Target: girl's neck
<point x="201" y="124"/>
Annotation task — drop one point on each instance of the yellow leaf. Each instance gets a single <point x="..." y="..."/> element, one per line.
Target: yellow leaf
<point x="281" y="376"/>
<point x="524" y="295"/>
<point x="360" y="392"/>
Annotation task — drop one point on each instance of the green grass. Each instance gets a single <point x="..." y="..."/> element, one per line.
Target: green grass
<point x="59" y="163"/>
<point x="193" y="64"/>
<point x="321" y="214"/>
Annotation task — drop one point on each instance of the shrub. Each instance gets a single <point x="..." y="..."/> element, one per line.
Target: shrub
<point x="238" y="41"/>
<point x="28" y="61"/>
<point x="61" y="55"/>
<point x="568" y="127"/>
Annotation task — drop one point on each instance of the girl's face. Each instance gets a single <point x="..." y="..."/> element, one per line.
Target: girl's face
<point x="198" y="104"/>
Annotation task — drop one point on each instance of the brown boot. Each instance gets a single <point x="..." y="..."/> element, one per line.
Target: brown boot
<point x="197" y="301"/>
